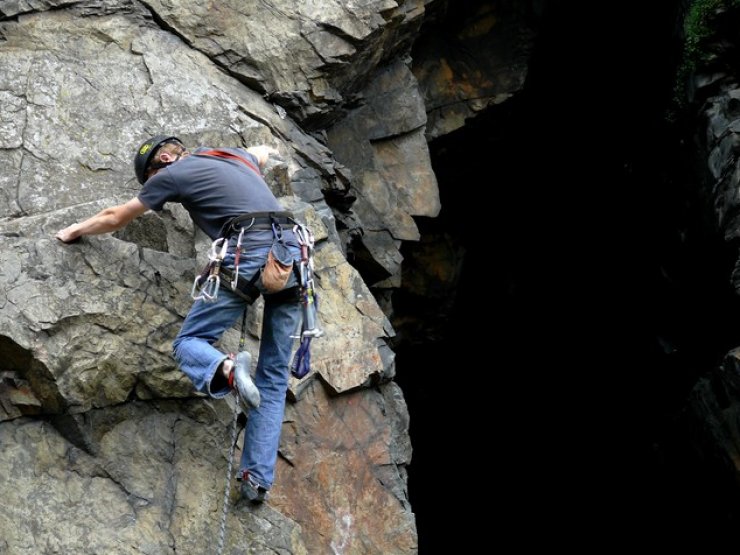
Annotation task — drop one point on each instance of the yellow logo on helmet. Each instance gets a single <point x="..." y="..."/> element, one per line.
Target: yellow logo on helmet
<point x="145" y="148"/>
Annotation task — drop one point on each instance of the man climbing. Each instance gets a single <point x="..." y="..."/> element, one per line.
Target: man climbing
<point x="226" y="196"/>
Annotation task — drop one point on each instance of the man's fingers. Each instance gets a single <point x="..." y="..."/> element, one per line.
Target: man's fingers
<point x="65" y="238"/>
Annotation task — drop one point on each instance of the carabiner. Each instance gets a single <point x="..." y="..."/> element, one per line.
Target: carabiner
<point x="209" y="290"/>
<point x="237" y="254"/>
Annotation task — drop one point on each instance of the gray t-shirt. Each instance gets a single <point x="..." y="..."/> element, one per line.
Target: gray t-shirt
<point x="213" y="190"/>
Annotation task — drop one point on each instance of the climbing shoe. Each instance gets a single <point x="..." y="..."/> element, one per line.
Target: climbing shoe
<point x="241" y="380"/>
<point x="251" y="490"/>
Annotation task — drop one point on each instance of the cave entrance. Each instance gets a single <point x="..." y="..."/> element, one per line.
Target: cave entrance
<point x="462" y="336"/>
<point x="552" y="383"/>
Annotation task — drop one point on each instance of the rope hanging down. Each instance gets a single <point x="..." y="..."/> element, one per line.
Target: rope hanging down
<point x="234" y="434"/>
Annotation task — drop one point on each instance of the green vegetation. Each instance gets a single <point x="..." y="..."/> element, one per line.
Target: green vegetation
<point x="699" y="48"/>
<point x="699" y="27"/>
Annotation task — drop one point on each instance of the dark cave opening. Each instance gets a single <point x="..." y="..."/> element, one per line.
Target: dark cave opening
<point x="452" y="383"/>
<point x="555" y="395"/>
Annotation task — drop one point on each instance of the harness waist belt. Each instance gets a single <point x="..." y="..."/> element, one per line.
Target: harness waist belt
<point x="247" y="229"/>
<point x="248" y="222"/>
<point x="256" y="221"/>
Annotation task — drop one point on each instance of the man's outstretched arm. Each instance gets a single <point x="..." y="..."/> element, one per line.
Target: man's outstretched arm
<point x="104" y="221"/>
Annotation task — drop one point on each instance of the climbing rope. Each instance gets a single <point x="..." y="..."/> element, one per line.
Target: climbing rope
<point x="234" y="433"/>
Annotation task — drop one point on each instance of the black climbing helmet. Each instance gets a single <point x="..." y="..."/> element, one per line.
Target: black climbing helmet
<point x="146" y="151"/>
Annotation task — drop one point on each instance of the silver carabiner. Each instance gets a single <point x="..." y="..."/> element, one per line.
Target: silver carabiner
<point x="237" y="254"/>
<point x="213" y="254"/>
<point x="209" y="290"/>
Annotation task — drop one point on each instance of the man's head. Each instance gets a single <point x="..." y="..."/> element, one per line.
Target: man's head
<point x="156" y="153"/>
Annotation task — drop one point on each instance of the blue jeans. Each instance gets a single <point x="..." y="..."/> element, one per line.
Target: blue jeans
<point x="197" y="357"/>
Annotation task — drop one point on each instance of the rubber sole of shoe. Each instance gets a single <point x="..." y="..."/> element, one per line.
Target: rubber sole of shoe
<point x="254" y="495"/>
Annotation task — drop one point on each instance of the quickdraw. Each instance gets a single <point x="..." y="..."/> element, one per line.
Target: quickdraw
<point x="309" y="298"/>
<point x="301" y="364"/>
<point x="207" y="284"/>
<point x="237" y="255"/>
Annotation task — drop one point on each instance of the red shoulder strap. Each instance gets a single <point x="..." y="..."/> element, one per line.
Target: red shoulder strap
<point x="231" y="156"/>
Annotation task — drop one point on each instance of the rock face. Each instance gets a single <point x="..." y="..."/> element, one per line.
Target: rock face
<point x="713" y="90"/>
<point x="105" y="445"/>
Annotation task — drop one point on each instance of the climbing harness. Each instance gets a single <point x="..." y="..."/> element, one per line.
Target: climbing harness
<point x="207" y="284"/>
